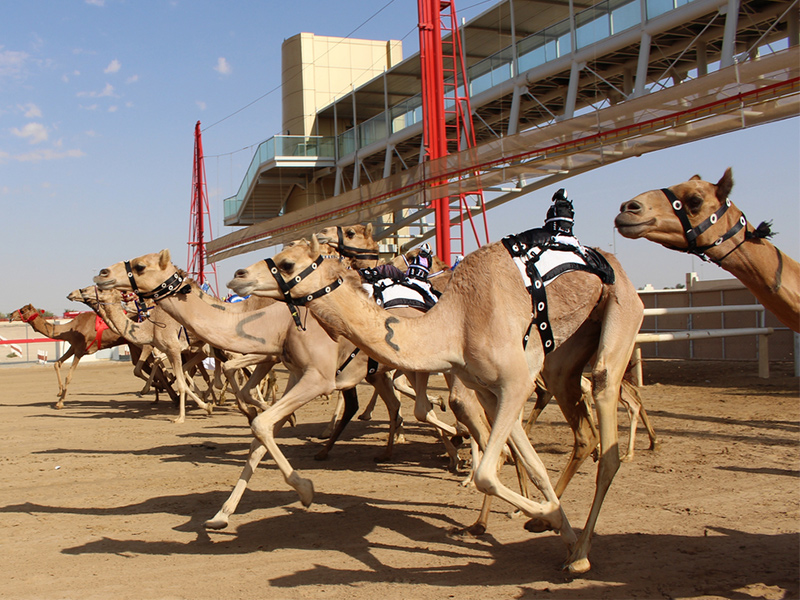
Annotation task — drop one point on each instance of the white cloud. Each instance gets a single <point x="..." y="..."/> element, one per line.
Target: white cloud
<point x="113" y="109"/>
<point x="31" y="110"/>
<point x="33" y="132"/>
<point x="132" y="79"/>
<point x="113" y="67"/>
<point x="12" y="62"/>
<point x="96" y="2"/>
<point x="106" y="92"/>
<point x="47" y="154"/>
<point x="200" y="104"/>
<point x="223" y="67"/>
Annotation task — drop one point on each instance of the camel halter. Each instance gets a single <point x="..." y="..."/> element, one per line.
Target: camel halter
<point x="352" y="251"/>
<point x="172" y="285"/>
<point x="692" y="233"/>
<point x="286" y="287"/>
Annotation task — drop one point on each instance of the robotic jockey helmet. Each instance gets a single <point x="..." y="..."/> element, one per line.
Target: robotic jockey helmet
<point x="560" y="214"/>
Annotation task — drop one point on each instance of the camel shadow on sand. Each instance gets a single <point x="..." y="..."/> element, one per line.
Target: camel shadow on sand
<point x="720" y="563"/>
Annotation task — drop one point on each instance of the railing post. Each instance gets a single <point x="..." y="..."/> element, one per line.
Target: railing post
<point x="763" y="356"/>
<point x="636" y="359"/>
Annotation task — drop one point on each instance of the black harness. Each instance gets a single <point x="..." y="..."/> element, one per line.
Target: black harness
<point x="286" y="288"/>
<point x="692" y="233"/>
<point x="352" y="251"/>
<point x="173" y="285"/>
<point x="529" y="247"/>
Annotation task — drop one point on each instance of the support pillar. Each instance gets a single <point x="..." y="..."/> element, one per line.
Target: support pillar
<point x="641" y="66"/>
<point x="729" y="37"/>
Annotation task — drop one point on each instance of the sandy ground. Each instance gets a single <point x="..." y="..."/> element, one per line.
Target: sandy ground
<point x="106" y="499"/>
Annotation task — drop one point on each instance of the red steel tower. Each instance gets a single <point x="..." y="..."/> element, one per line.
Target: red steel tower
<point x="200" y="221"/>
<point x="446" y="117"/>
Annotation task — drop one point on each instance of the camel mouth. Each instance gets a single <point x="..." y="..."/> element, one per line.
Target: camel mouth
<point x="104" y="284"/>
<point x="241" y="288"/>
<point x="632" y="230"/>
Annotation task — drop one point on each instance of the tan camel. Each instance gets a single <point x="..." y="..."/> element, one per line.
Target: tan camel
<point x="81" y="333"/>
<point x="159" y="330"/>
<point x="476" y="332"/>
<point x="698" y="217"/>
<point x="310" y="354"/>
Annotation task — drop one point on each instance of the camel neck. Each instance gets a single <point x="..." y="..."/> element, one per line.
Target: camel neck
<point x="408" y="343"/>
<point x="221" y="324"/>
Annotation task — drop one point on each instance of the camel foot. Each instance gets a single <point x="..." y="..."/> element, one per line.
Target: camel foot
<point x="627" y="458"/>
<point x="538" y="526"/>
<point x="475" y="530"/>
<point x="304" y="487"/>
<point x="321" y="455"/>
<point x="655" y="445"/>
<point x="58" y="405"/>
<point x="218" y="522"/>
<point x="178" y="420"/>
<point x="365" y="417"/>
<point x="578" y="567"/>
<point x="209" y="408"/>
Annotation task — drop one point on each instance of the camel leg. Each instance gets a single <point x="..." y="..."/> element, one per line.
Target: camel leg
<point x="349" y="398"/>
<point x="543" y="397"/>
<point x="62" y="388"/>
<point x="311" y="385"/>
<point x="366" y="414"/>
<point x="402" y="385"/>
<point x="220" y="520"/>
<point x="633" y="403"/>
<point x="423" y="412"/>
<point x="507" y="425"/>
<point x="337" y="412"/>
<point x="615" y="349"/>
<point x="188" y="366"/>
<point x="385" y="388"/>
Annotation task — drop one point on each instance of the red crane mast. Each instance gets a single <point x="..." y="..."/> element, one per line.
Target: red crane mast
<point x="200" y="221"/>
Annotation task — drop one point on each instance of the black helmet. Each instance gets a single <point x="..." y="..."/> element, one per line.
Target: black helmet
<point x="560" y="214"/>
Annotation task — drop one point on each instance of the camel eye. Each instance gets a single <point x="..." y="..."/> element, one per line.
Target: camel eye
<point x="350" y="233"/>
<point x="694" y="203"/>
<point x="286" y="266"/>
<point x="139" y="269"/>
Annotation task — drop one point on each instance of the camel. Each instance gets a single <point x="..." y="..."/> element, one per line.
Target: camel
<point x="698" y="217"/>
<point x="476" y="332"/>
<point x="83" y="333"/>
<point x="159" y="330"/>
<point x="308" y="352"/>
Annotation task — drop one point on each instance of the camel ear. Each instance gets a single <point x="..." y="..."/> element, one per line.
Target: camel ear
<point x="315" y="246"/>
<point x="163" y="259"/>
<point x="696" y="178"/>
<point x="725" y="185"/>
<point x="368" y="230"/>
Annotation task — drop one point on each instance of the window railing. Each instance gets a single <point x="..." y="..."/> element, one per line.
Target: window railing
<point x="279" y="146"/>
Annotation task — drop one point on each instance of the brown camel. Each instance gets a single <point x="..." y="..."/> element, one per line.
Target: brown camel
<point x="698" y="217"/>
<point x="476" y="332"/>
<point x="309" y="353"/>
<point x="82" y="333"/>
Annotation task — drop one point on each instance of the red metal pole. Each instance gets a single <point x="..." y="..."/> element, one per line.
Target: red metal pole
<point x="198" y="204"/>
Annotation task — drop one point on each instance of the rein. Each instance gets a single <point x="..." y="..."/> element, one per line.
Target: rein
<point x="172" y="285"/>
<point x="692" y="233"/>
<point x="286" y="287"/>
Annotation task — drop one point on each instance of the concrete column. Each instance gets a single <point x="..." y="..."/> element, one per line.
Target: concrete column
<point x="793" y="26"/>
<point x="702" y="59"/>
<point x="513" y="116"/>
<point x="572" y="90"/>
<point x="641" y="66"/>
<point x="729" y="37"/>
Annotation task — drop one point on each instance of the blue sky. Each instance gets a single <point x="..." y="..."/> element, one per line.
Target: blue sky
<point x="99" y="98"/>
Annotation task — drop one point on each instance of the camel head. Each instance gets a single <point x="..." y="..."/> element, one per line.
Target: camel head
<point x="93" y="296"/>
<point x="26" y="313"/>
<point x="352" y="241"/>
<point x="290" y="265"/>
<point x="651" y="215"/>
<point x="148" y="273"/>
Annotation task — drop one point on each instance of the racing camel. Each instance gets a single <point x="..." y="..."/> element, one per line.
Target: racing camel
<point x="85" y="334"/>
<point x="698" y="217"/>
<point x="476" y="332"/>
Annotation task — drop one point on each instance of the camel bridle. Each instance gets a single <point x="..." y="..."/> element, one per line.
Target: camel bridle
<point x="352" y="251"/>
<point x="174" y="284"/>
<point x="692" y="233"/>
<point x="286" y="288"/>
